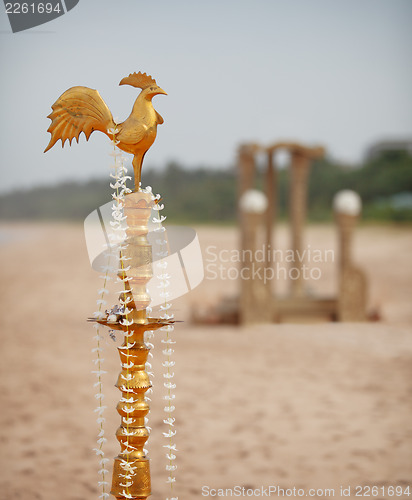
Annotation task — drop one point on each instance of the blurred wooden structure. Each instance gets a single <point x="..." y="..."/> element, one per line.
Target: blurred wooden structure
<point x="257" y="300"/>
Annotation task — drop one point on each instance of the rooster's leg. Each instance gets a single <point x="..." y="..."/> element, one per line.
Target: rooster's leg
<point x="137" y="167"/>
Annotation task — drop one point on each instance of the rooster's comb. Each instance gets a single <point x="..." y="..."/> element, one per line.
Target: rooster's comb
<point x="139" y="80"/>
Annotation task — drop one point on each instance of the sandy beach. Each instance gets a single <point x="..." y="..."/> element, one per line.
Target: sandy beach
<point x="322" y="405"/>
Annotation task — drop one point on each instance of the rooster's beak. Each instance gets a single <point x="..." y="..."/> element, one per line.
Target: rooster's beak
<point x="160" y="91"/>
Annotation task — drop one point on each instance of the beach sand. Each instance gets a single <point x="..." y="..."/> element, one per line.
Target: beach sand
<point x="319" y="405"/>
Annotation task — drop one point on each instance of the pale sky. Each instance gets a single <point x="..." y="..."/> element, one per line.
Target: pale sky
<point x="331" y="72"/>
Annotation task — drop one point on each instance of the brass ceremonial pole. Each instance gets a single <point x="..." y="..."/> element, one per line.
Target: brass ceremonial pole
<point x="131" y="472"/>
<point x="81" y="109"/>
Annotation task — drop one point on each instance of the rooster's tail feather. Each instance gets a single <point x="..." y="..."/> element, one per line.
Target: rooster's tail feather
<point x="78" y="110"/>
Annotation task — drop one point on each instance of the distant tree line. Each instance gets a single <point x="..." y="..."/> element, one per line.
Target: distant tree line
<point x="207" y="195"/>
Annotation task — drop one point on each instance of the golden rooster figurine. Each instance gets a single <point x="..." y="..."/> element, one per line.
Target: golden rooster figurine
<point x="81" y="109"/>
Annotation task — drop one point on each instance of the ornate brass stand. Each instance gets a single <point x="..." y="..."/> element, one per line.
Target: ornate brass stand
<point x="81" y="109"/>
<point x="131" y="473"/>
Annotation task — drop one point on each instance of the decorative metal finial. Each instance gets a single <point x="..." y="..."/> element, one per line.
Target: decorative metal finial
<point x="81" y="109"/>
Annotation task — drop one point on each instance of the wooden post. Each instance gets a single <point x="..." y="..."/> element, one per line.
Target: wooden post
<point x="246" y="177"/>
<point x="352" y="280"/>
<point x="298" y="200"/>
<point x="300" y="163"/>
<point x="246" y="167"/>
<point x="271" y="186"/>
<point x="255" y="303"/>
